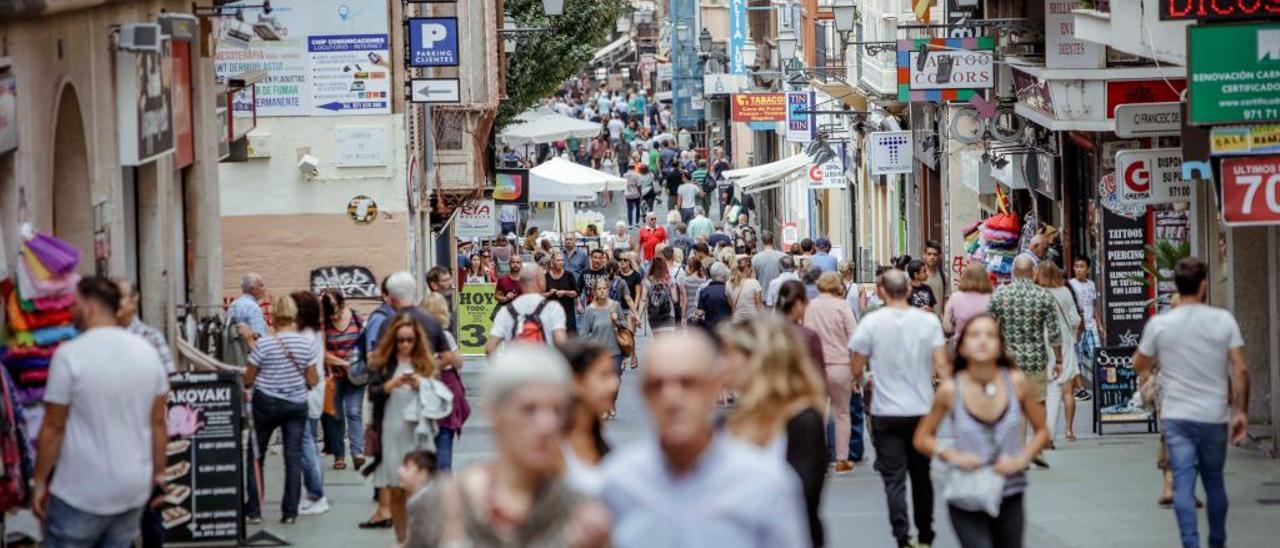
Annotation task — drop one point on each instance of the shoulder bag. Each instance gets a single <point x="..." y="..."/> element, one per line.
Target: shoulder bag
<point x="980" y="490"/>
<point x="626" y="337"/>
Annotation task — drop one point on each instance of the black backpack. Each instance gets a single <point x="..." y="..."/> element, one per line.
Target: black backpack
<point x="660" y="305"/>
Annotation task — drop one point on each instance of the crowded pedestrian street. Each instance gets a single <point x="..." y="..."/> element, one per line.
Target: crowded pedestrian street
<point x="639" y="273"/>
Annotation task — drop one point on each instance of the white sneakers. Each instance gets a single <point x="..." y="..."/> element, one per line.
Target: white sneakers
<point x="310" y="507"/>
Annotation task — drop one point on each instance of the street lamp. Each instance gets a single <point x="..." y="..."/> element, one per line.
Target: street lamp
<point x="704" y="40"/>
<point x="509" y="38"/>
<point x="553" y="7"/>
<point x="846" y="14"/>
<point x="786" y="45"/>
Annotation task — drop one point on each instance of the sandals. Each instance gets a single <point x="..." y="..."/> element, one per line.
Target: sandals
<point x="379" y="524"/>
<point x="340" y="464"/>
<point x="358" y="462"/>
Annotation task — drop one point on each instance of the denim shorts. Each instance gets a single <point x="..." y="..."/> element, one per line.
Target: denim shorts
<point x="69" y="527"/>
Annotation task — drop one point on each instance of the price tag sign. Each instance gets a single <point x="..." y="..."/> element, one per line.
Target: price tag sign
<point x="1251" y="191"/>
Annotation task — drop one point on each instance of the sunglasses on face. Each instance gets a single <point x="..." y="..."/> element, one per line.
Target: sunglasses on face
<point x="406" y="340"/>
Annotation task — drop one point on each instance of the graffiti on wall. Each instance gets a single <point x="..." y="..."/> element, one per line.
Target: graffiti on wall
<point x="355" y="282"/>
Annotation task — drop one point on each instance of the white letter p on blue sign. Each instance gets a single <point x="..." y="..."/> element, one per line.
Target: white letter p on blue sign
<point x="432" y="33"/>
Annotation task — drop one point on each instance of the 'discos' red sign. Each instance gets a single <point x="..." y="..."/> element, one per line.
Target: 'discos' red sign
<point x="1251" y="191"/>
<point x="1217" y="10"/>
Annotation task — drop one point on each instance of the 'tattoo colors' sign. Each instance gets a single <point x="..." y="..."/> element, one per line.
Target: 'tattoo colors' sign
<point x="1251" y="191"/>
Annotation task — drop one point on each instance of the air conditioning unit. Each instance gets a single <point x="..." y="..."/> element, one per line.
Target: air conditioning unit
<point x="140" y="37"/>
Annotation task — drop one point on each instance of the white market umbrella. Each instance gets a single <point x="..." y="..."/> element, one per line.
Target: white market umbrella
<point x="549" y="128"/>
<point x="559" y="180"/>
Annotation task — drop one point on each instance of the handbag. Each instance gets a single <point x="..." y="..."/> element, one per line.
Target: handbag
<point x="1148" y="394"/>
<point x="626" y="339"/>
<point x="980" y="490"/>
<point x="330" y="394"/>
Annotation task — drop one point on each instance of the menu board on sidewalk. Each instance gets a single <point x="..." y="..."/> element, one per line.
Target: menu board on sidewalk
<point x="1126" y="297"/>
<point x="204" y="458"/>
<point x="1114" y="383"/>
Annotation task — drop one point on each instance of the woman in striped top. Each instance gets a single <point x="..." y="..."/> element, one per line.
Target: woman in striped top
<point x="342" y="327"/>
<point x="987" y="402"/>
<point x="282" y="368"/>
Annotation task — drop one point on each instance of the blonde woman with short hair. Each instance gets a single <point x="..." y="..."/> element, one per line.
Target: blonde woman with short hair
<point x="780" y="402"/>
<point x="969" y="301"/>
<point x="746" y="297"/>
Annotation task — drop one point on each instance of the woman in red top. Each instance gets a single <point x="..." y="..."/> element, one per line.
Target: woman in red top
<point x="342" y="327"/>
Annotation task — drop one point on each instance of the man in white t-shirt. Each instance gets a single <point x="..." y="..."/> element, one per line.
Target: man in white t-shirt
<point x="905" y="347"/>
<point x="688" y="193"/>
<point x="1205" y="399"/>
<point x="509" y="322"/>
<point x="103" y="429"/>
<point x="616" y="125"/>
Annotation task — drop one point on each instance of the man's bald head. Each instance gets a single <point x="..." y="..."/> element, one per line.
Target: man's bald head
<point x="531" y="278"/>
<point x="1024" y="268"/>
<point x="685" y="351"/>
<point x="895" y="284"/>
<point x="1038" y="245"/>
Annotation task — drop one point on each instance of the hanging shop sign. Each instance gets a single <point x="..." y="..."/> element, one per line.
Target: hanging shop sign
<point x="511" y="186"/>
<point x="144" y="105"/>
<point x="760" y="110"/>
<point x="184" y="152"/>
<point x="828" y="175"/>
<point x="1149" y="119"/>
<point x="1234" y="72"/>
<point x="1152" y="176"/>
<point x="890" y="152"/>
<point x="1244" y="140"/>
<point x="1062" y="48"/>
<point x="802" y="123"/>
<point x="433" y="41"/>
<point x="475" y="317"/>
<point x="204" y="459"/>
<point x="1124" y="246"/>
<point x="476" y="219"/>
<point x="8" y="112"/>
<point x="330" y="60"/>
<point x="1217" y="10"/>
<point x="355" y="282"/>
<point x="1251" y="191"/>
<point x="954" y="71"/>
<point x="738" y="32"/>
<point x="1120" y="92"/>
<point x="1038" y="169"/>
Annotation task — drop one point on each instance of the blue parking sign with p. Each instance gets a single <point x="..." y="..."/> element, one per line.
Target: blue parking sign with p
<point x="433" y="42"/>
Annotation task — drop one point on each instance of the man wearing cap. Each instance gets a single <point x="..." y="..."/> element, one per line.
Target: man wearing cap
<point x="823" y="258"/>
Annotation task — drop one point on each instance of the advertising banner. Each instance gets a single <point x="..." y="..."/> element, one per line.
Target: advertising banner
<point x="511" y="186"/>
<point x="759" y="107"/>
<point x="433" y="42"/>
<point x="183" y="134"/>
<point x="333" y="58"/>
<point x="1217" y="10"/>
<point x="802" y="123"/>
<point x="1152" y="176"/>
<point x="737" y="35"/>
<point x="1244" y="140"/>
<point x="475" y="317"/>
<point x="476" y="219"/>
<point x="204" y="463"/>
<point x="1124" y="243"/>
<point x="1121" y="92"/>
<point x="954" y="69"/>
<point x="890" y="152"/>
<point x="1251" y="191"/>
<point x="1234" y="72"/>
<point x="144" y="105"/>
<point x="828" y="175"/>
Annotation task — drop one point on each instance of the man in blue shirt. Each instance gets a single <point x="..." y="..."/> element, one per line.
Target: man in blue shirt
<point x="575" y="258"/>
<point x="823" y="258"/>
<point x="245" y="311"/>
<point x="685" y="487"/>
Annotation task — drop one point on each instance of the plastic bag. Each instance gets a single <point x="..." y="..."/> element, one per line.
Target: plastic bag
<point x="1007" y="222"/>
